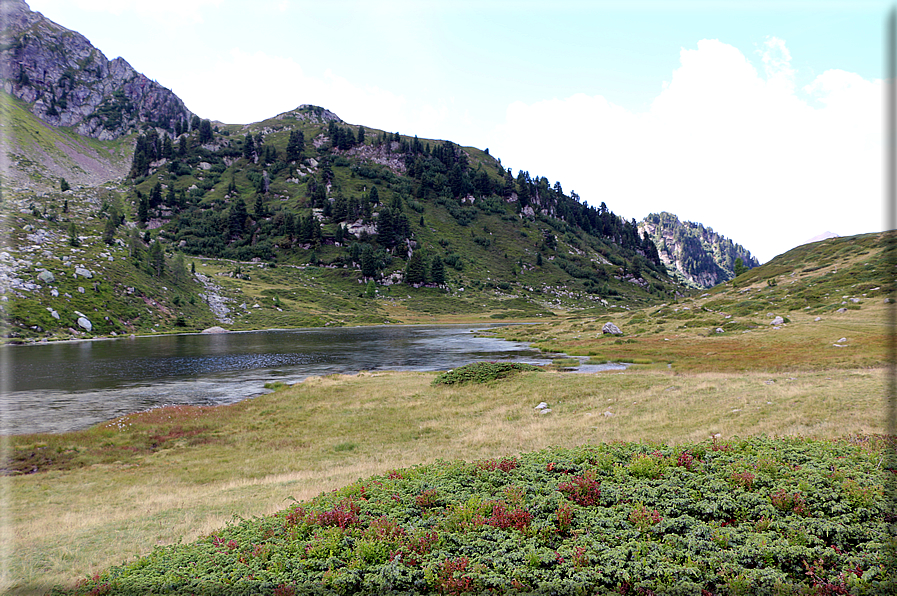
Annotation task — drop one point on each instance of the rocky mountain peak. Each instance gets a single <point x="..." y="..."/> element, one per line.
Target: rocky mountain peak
<point x="696" y="254"/>
<point x="66" y="81"/>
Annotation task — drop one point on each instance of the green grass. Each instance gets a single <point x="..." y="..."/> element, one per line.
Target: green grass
<point x="685" y="335"/>
<point x="250" y="458"/>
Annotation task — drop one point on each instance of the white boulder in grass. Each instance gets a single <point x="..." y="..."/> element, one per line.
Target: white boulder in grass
<point x="611" y="329"/>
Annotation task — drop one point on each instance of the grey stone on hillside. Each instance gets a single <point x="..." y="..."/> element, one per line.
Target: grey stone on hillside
<point x="85" y="323"/>
<point x="719" y="330"/>
<point x="541" y="406"/>
<point x="46" y="276"/>
<point x="611" y="329"/>
<point x="841" y="310"/>
<point x="83" y="272"/>
<point x="215" y="329"/>
<point x="778" y="321"/>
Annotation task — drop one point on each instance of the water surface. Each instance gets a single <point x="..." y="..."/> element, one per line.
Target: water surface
<point x="60" y="387"/>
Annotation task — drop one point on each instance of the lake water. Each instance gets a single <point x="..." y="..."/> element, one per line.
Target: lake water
<point x="60" y="387"/>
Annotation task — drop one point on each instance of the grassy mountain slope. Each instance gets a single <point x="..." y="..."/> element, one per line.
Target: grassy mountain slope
<point x="39" y="155"/>
<point x="822" y="291"/>
<point x="311" y="236"/>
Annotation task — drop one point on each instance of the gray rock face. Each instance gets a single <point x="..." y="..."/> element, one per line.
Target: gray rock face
<point x="68" y="82"/>
<point x="611" y="329"/>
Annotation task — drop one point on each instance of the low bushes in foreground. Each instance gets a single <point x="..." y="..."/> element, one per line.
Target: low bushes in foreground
<point x="482" y="372"/>
<point x="752" y="516"/>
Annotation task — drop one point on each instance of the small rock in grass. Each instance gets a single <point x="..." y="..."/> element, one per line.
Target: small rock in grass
<point x="541" y="406"/>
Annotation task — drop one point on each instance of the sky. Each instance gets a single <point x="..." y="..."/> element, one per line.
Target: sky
<point x="761" y="120"/>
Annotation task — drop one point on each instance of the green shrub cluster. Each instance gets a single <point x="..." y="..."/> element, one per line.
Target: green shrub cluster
<point x="755" y="516"/>
<point x="482" y="372"/>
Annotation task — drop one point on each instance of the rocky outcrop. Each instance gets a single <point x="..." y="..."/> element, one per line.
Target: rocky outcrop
<point x="697" y="255"/>
<point x="68" y="82"/>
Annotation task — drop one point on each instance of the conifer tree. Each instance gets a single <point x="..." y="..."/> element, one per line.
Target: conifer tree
<point x="295" y="145"/>
<point x="437" y="271"/>
<point x="205" y="131"/>
<point x="415" y="271"/>
<point x="109" y="231"/>
<point x="248" y="146"/>
<point x="73" y="235"/>
<point x="142" y="208"/>
<point x="157" y="259"/>
<point x="237" y="217"/>
<point x="368" y="262"/>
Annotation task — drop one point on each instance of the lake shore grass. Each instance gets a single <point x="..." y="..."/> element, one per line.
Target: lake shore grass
<point x="107" y="494"/>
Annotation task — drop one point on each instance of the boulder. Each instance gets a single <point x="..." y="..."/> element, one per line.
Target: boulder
<point x="83" y="272"/>
<point x="85" y="324"/>
<point x="778" y="321"/>
<point x="611" y="329"/>
<point x="215" y="329"/>
<point x="46" y="276"/>
<point x="719" y="330"/>
<point x="541" y="406"/>
<point x="841" y="310"/>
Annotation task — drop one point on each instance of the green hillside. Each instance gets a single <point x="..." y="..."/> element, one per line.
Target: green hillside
<point x="788" y="314"/>
<point x="303" y="220"/>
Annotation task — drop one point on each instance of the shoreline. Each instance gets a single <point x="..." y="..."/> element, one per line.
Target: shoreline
<point x="48" y="341"/>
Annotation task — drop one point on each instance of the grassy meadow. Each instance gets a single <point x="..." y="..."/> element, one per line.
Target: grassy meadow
<point x="81" y="502"/>
<point x="107" y="494"/>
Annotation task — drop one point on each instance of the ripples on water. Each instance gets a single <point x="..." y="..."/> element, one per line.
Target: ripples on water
<point x="68" y="386"/>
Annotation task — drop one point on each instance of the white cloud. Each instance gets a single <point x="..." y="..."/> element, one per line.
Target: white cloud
<point x="170" y="12"/>
<point x="743" y="153"/>
<point x="247" y="87"/>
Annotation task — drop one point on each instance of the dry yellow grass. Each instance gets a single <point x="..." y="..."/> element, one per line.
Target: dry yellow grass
<point x="253" y="457"/>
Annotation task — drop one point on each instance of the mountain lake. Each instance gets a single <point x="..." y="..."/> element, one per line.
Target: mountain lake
<point x="65" y="386"/>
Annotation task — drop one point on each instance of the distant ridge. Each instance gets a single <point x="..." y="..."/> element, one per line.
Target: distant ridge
<point x="819" y="237"/>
